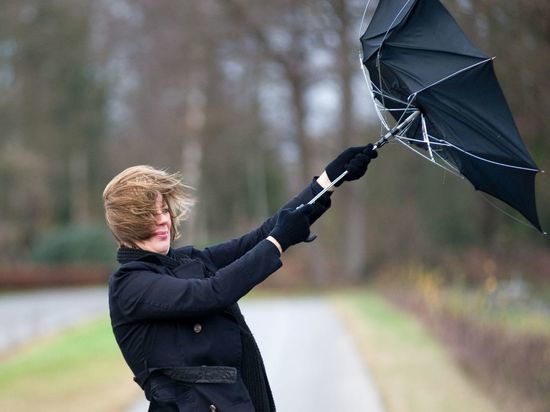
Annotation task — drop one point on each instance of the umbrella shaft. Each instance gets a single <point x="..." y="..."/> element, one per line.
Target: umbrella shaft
<point x="326" y="189"/>
<point x="397" y="128"/>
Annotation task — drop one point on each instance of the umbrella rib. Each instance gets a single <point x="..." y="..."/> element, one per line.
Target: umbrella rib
<point x="410" y="139"/>
<point x="380" y="78"/>
<point x="379" y="92"/>
<point x="370" y="86"/>
<point x="399" y="110"/>
<point x="405" y="110"/>
<point x="390" y="26"/>
<point x="438" y="51"/>
<point x="387" y="96"/>
<point x="485" y="196"/>
<point x="399" y="139"/>
<point x="381" y="44"/>
<point x="454" y="171"/>
<point x="446" y="143"/>
<point x="453" y="74"/>
<point x="452" y="168"/>
<point x="441" y="142"/>
<point x="363" y="18"/>
<point x="425" y="134"/>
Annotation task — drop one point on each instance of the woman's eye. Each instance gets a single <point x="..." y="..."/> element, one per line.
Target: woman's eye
<point x="165" y="210"/>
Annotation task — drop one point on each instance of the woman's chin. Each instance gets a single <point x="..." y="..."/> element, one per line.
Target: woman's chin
<point x="156" y="246"/>
<point x="163" y="248"/>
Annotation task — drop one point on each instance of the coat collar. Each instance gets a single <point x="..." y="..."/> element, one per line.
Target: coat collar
<point x="171" y="260"/>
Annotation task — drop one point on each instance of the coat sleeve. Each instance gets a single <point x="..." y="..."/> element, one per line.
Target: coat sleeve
<point x="224" y="253"/>
<point x="142" y="294"/>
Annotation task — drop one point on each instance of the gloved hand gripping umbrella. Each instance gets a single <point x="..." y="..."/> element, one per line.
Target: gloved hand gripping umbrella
<point x="445" y="100"/>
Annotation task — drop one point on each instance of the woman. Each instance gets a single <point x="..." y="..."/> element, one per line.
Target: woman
<point x="174" y="312"/>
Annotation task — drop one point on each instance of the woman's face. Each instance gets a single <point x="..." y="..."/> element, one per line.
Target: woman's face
<point x="159" y="242"/>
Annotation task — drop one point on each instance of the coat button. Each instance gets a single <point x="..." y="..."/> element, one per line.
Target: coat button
<point x="197" y="328"/>
<point x="213" y="408"/>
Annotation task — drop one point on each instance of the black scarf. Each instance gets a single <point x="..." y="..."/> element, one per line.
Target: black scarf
<point x="171" y="260"/>
<point x="252" y="366"/>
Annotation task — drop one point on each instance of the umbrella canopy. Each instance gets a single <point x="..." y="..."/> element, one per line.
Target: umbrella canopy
<point x="419" y="61"/>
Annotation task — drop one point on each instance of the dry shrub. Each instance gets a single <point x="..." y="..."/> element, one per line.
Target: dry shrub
<point x="513" y="368"/>
<point x="475" y="265"/>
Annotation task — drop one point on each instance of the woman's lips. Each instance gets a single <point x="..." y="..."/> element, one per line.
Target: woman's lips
<point x="161" y="233"/>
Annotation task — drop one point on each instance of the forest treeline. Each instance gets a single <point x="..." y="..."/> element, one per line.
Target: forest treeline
<point x="249" y="100"/>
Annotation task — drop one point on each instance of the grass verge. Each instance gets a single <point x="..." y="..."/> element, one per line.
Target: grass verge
<point x="413" y="372"/>
<point x="78" y="369"/>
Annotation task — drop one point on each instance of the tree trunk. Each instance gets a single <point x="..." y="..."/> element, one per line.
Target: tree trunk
<point x="354" y="208"/>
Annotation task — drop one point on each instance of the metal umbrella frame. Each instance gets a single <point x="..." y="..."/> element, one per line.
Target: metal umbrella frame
<point x="445" y="100"/>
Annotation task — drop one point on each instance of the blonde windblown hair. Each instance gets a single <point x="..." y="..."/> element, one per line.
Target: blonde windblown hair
<point x="129" y="201"/>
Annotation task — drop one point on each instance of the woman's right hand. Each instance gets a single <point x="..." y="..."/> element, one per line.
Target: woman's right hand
<point x="354" y="160"/>
<point x="292" y="226"/>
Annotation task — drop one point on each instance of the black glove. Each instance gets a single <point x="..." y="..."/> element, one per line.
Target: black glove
<point x="292" y="226"/>
<point x="355" y="160"/>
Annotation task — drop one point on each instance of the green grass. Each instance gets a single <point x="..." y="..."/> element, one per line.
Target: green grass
<point x="80" y="365"/>
<point x="68" y="350"/>
<point x="413" y="371"/>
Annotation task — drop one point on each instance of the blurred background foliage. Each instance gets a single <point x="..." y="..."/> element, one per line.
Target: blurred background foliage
<point x="74" y="244"/>
<point x="249" y="100"/>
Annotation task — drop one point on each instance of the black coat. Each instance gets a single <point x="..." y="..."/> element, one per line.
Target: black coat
<point x="177" y="326"/>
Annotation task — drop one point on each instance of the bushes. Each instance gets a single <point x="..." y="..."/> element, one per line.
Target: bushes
<point x="75" y="244"/>
<point x="72" y="255"/>
<point x="512" y="364"/>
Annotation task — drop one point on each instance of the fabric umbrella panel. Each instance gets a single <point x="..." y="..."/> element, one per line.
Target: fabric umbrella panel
<point x="437" y="94"/>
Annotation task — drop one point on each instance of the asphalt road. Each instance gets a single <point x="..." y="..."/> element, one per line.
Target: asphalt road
<point x="310" y="358"/>
<point x="27" y="315"/>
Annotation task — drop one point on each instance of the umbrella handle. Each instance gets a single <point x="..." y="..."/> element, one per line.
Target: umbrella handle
<point x="313" y="236"/>
<point x="326" y="189"/>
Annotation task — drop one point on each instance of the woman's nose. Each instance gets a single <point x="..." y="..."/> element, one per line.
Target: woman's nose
<point x="162" y="217"/>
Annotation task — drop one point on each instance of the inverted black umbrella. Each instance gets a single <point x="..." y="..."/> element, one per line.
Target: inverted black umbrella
<point x="446" y="102"/>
